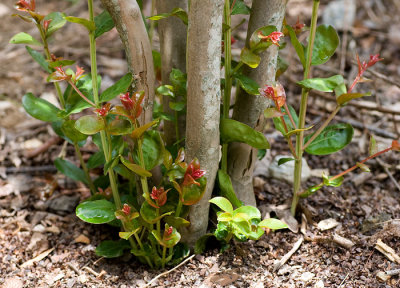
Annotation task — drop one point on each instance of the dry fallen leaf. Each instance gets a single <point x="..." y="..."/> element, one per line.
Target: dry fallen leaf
<point x="38" y="258"/>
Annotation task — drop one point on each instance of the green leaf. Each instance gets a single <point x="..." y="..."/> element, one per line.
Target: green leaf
<point x="249" y="58"/>
<point x="104" y="23"/>
<point x="57" y="22"/>
<point x="272" y="113"/>
<point x="372" y="147"/>
<point x="96" y="160"/>
<point x="118" y="88"/>
<point x="224" y="216"/>
<point x="278" y="122"/>
<point x="193" y="193"/>
<point x="61" y="63"/>
<point x="256" y="45"/>
<point x="89" y="25"/>
<point x="153" y="149"/>
<point x="239" y="8"/>
<point x="111" y="164"/>
<point x="177" y="106"/>
<point x="178" y="12"/>
<point x="39" y="58"/>
<point x="226" y="187"/>
<point x="325" y="44"/>
<point x="24" y="38"/>
<point x="344" y="98"/>
<point x="234" y="131"/>
<point x="363" y="167"/>
<point x="96" y="212"/>
<point x="322" y="84"/>
<point x="310" y="191"/>
<point x="138" y="132"/>
<point x="40" y="109"/>
<point x="150" y="215"/>
<point x="135" y="168"/>
<point x="201" y="243"/>
<point x="120" y="127"/>
<point x="112" y="249"/>
<point x="179" y="81"/>
<point x="181" y="251"/>
<point x="284" y="160"/>
<point x="90" y="124"/>
<point x="248" y="84"/>
<point x="223" y="204"/>
<point x="69" y="130"/>
<point x="250" y="211"/>
<point x="273" y="224"/>
<point x="70" y="170"/>
<point x="176" y="222"/>
<point x="333" y="183"/>
<point x="166" y="90"/>
<point x="292" y="132"/>
<point x="297" y="45"/>
<point x="282" y="66"/>
<point x="332" y="139"/>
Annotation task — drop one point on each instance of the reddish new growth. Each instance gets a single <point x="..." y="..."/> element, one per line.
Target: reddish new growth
<point x="193" y="172"/>
<point x="396" y="145"/>
<point x="126" y="209"/>
<point x="25" y="5"/>
<point x="159" y="195"/>
<point x="298" y="27"/>
<point x="362" y="67"/>
<point x="103" y="111"/>
<point x="275" y="93"/>
<point x="46" y="24"/>
<point x="132" y="104"/>
<point x="274" y="37"/>
<point x="168" y="232"/>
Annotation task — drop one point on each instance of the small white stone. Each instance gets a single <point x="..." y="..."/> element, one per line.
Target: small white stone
<point x="285" y="171"/>
<point x="327" y="224"/>
<point x="39" y="228"/>
<point x="307" y="276"/>
<point x="319" y="284"/>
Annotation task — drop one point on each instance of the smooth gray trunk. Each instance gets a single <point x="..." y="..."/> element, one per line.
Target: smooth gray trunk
<point x="249" y="108"/>
<point x="203" y="107"/>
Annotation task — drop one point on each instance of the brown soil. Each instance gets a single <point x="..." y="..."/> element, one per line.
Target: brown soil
<point x="366" y="207"/>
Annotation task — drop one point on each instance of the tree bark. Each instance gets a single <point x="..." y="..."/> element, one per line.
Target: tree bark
<point x="249" y="108"/>
<point x="173" y="35"/>
<point x="203" y="105"/>
<point x="131" y="28"/>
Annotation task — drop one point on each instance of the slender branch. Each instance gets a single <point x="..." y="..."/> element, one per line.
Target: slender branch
<point x="81" y="94"/>
<point x="84" y="168"/>
<point x="290" y="116"/>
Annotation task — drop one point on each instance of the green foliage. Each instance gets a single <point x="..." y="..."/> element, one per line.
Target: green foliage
<point x="39" y="58"/>
<point x="325" y="44"/>
<point x="70" y="170"/>
<point x="118" y="88"/>
<point x="103" y="23"/>
<point x="40" y="109"/>
<point x="112" y="249"/>
<point x="90" y="124"/>
<point x="24" y="38"/>
<point x="57" y="22"/>
<point x="247" y="84"/>
<point x="226" y="187"/>
<point x="177" y="12"/>
<point x="239" y="8"/>
<point x="96" y="212"/>
<point x="89" y="25"/>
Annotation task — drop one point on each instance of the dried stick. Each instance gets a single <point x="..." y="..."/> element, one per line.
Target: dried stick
<point x="287" y="256"/>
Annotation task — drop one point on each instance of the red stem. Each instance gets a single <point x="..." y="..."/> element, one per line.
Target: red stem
<point x="81" y="94"/>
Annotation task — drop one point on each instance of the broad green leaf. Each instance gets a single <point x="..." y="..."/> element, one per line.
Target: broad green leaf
<point x="278" y="122"/>
<point x="178" y="12"/>
<point x="40" y="109"/>
<point x="284" y="160"/>
<point x="282" y="66"/>
<point x="138" y="132"/>
<point x="73" y="102"/>
<point x="248" y="84"/>
<point x="325" y="44"/>
<point x="57" y="22"/>
<point x="193" y="193"/>
<point x="322" y="84"/>
<point x="226" y="187"/>
<point x="310" y="191"/>
<point x="295" y="131"/>
<point x="179" y="82"/>
<point x="239" y="8"/>
<point x="177" y="106"/>
<point x="224" y="216"/>
<point x="96" y="212"/>
<point x="153" y="149"/>
<point x="118" y="88"/>
<point x="250" y="211"/>
<point x="169" y="242"/>
<point x="104" y="23"/>
<point x="120" y="127"/>
<point x="363" y="167"/>
<point x="90" y="124"/>
<point x="176" y="222"/>
<point x="166" y="90"/>
<point x="111" y="164"/>
<point x="89" y="25"/>
<point x="272" y="113"/>
<point x="344" y="98"/>
<point x="70" y="170"/>
<point x="126" y="235"/>
<point x="112" y="249"/>
<point x="61" y="63"/>
<point x="156" y="60"/>
<point x="135" y="168"/>
<point x="234" y="131"/>
<point x="249" y="58"/>
<point x="273" y="224"/>
<point x="96" y="160"/>
<point x="332" y="139"/>
<point x="223" y="204"/>
<point x="297" y="45"/>
<point x="332" y="182"/>
<point x="180" y="252"/>
<point x="24" y="38"/>
<point x="150" y="215"/>
<point x="256" y="45"/>
<point x="69" y="130"/>
<point x="39" y="58"/>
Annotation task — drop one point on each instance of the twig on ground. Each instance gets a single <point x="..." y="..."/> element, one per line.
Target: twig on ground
<point x="43" y="148"/>
<point x="90" y="270"/>
<point x="287" y="256"/>
<point x="341" y="284"/>
<point x="388" y="173"/>
<point x="387" y="251"/>
<point x="169" y="271"/>
<point x="393" y="272"/>
<point x="74" y="268"/>
<point x="38" y="258"/>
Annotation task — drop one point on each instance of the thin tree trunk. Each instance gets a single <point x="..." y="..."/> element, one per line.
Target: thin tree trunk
<point x="173" y="34"/>
<point x="203" y="107"/>
<point x="248" y="108"/>
<point x="131" y="28"/>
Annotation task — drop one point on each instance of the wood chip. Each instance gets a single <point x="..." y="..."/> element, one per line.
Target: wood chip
<point x="327" y="224"/>
<point x="387" y="251"/>
<point x="285" y="258"/>
<point x="38" y="258"/>
<point x="382" y="276"/>
<point x="82" y="239"/>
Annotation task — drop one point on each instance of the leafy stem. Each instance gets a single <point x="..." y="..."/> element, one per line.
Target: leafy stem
<point x="84" y="168"/>
<point x="303" y="110"/>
